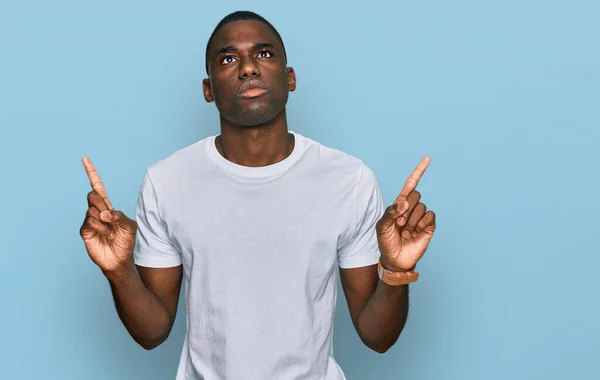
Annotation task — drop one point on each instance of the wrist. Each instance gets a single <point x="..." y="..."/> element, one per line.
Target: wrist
<point x="385" y="262"/>
<point x="121" y="272"/>
<point x="394" y="275"/>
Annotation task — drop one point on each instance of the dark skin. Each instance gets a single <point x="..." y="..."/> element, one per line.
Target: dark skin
<point x="378" y="310"/>
<point x="145" y="298"/>
<point x="253" y="129"/>
<point x="254" y="133"/>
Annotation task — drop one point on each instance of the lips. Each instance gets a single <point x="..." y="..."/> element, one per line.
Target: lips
<point x="252" y="88"/>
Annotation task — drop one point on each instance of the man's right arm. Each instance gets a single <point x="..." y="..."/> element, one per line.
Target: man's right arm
<point x="146" y="300"/>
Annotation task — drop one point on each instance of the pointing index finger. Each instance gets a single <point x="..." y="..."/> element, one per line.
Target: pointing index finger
<point x="413" y="179"/>
<point x="95" y="181"/>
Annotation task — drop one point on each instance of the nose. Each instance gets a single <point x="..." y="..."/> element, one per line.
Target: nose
<point x="248" y="68"/>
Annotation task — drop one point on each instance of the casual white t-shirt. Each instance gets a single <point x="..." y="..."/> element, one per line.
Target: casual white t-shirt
<point x="260" y="248"/>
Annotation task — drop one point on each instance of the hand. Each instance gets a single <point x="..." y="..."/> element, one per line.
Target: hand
<point x="108" y="234"/>
<point x="406" y="227"/>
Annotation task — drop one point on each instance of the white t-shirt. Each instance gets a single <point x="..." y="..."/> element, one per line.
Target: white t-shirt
<point x="260" y="248"/>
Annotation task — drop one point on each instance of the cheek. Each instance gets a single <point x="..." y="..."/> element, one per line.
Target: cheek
<point x="281" y="82"/>
<point x="283" y="77"/>
<point x="224" y="90"/>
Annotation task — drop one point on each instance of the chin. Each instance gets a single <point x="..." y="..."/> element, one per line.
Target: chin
<point x="255" y="117"/>
<point x="254" y="122"/>
<point x="253" y="113"/>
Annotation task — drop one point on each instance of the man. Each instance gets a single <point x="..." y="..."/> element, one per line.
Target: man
<point x="255" y="223"/>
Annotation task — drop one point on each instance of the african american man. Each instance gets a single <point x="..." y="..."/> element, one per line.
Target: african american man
<point x="256" y="223"/>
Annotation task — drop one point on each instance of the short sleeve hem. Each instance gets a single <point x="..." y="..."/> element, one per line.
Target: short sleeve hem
<point x="360" y="261"/>
<point x="156" y="262"/>
<point x="362" y="248"/>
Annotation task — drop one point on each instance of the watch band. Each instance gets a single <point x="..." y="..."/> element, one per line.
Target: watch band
<point x="395" y="278"/>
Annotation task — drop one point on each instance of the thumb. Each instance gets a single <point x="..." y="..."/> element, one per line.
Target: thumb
<point x="118" y="219"/>
<point x="388" y="220"/>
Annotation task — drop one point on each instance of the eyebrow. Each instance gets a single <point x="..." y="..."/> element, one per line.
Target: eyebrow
<point x="260" y="45"/>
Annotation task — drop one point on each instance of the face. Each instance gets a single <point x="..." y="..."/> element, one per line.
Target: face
<point x="248" y="77"/>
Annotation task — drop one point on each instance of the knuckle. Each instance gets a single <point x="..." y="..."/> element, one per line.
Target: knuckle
<point x="93" y="197"/>
<point x="379" y="225"/>
<point x="98" y="224"/>
<point x="85" y="227"/>
<point x="414" y="197"/>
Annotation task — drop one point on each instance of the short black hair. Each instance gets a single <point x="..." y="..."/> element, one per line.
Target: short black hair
<point x="241" y="16"/>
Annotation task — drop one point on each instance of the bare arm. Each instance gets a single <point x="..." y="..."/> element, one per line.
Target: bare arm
<point x="378" y="310"/>
<point x="146" y="300"/>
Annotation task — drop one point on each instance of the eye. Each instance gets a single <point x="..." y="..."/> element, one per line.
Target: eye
<point x="264" y="54"/>
<point x="227" y="60"/>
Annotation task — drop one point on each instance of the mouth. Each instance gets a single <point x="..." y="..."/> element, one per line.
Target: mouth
<point x="252" y="89"/>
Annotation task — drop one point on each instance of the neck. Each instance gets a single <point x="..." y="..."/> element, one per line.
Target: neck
<point x="255" y="146"/>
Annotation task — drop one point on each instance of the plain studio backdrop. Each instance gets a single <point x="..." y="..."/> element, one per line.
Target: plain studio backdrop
<point x="504" y="96"/>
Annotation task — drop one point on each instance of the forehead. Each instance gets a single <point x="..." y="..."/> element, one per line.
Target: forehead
<point x="244" y="32"/>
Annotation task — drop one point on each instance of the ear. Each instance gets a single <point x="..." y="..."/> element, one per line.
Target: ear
<point x="291" y="79"/>
<point x="207" y="90"/>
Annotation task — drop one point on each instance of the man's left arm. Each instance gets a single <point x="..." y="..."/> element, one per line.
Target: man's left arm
<point x="379" y="310"/>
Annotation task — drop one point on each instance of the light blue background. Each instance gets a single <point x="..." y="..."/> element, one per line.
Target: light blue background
<point x="504" y="96"/>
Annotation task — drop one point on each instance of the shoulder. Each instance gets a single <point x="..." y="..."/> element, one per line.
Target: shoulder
<point x="333" y="162"/>
<point x="167" y="175"/>
<point x="180" y="162"/>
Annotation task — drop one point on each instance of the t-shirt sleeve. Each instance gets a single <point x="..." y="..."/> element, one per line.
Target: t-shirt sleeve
<point x="362" y="249"/>
<point x="153" y="247"/>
